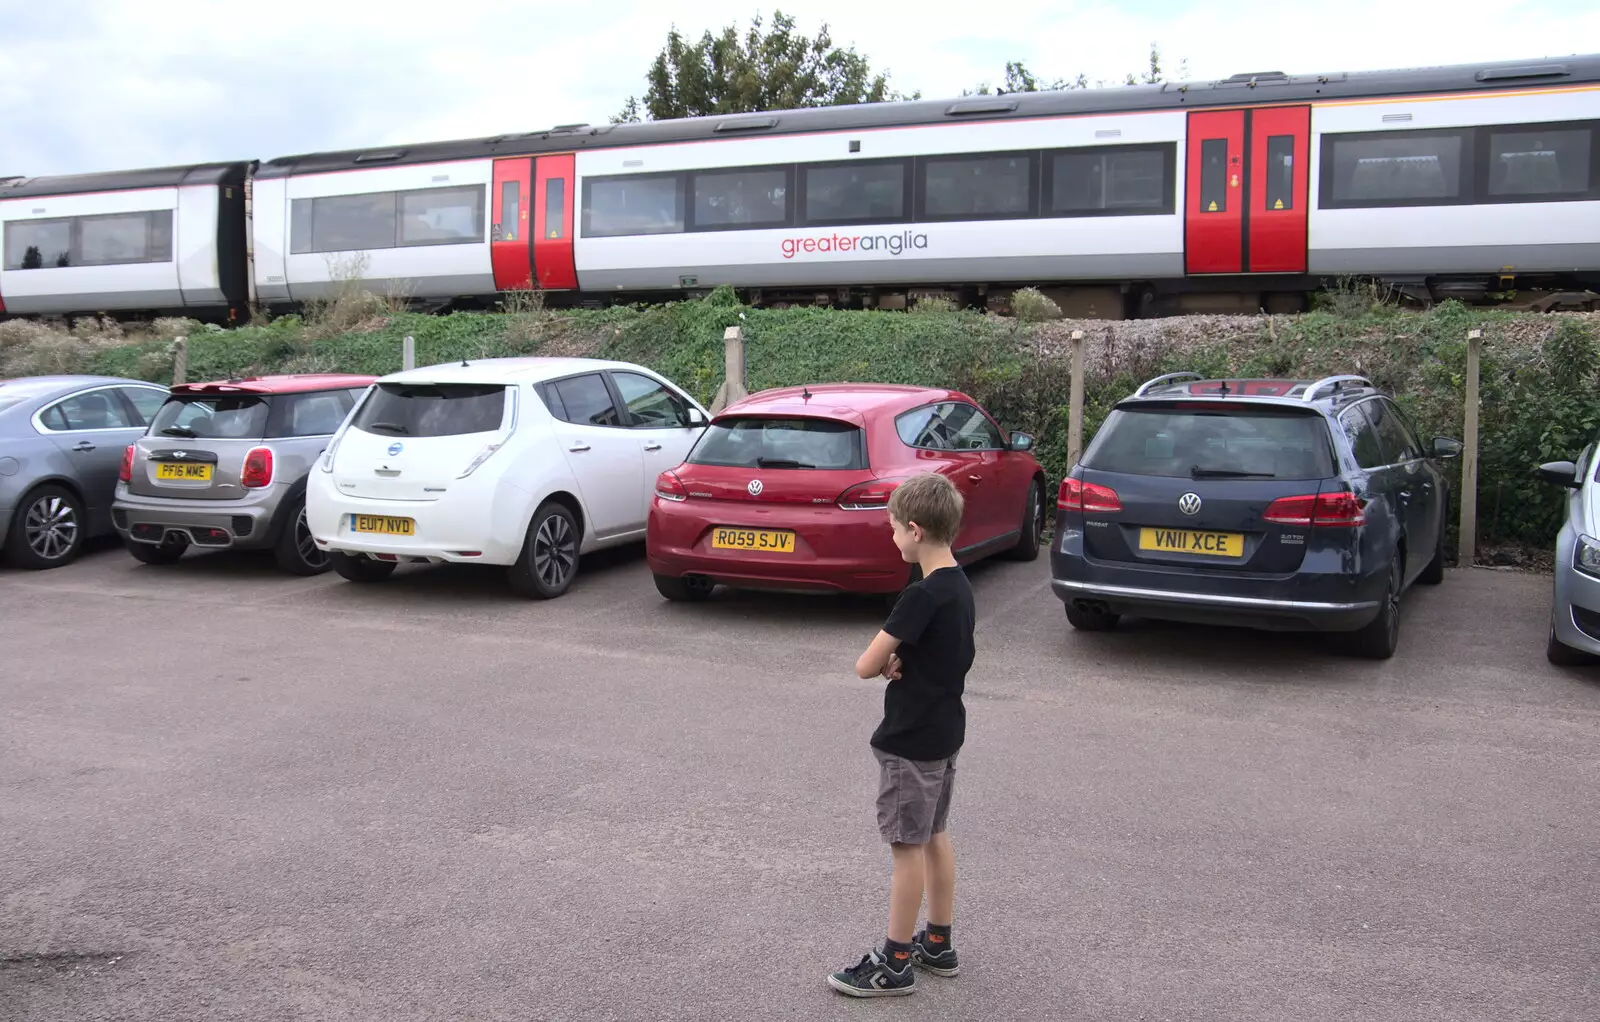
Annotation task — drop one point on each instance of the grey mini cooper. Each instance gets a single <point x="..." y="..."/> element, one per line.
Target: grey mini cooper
<point x="224" y="465"/>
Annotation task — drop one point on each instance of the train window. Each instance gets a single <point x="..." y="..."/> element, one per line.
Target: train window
<point x="344" y="223"/>
<point x="1111" y="181"/>
<point x="1540" y="161"/>
<point x="1394" y="168"/>
<point x="1214" y="175"/>
<point x="510" y="210"/>
<point x="977" y="187"/>
<point x="1280" y="172"/>
<point x="857" y="192"/>
<point x="441" y="216"/>
<point x="125" y="238"/>
<point x="616" y="206"/>
<point x="555" y="208"/>
<point x="741" y="198"/>
<point x="38" y="244"/>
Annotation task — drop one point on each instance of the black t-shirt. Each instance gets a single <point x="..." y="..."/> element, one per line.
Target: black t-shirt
<point x="923" y="717"/>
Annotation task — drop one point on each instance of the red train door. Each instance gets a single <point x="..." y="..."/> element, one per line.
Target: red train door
<point x="1245" y="200"/>
<point x="510" y="236"/>
<point x="555" y="187"/>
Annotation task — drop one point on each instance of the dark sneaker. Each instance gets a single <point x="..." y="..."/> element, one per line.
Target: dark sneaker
<point x="929" y="952"/>
<point x="872" y="977"/>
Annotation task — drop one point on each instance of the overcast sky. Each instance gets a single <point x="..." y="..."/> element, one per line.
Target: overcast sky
<point x="88" y="85"/>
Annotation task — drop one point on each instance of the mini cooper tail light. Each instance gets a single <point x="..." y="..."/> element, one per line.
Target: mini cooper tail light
<point x="125" y="473"/>
<point x="257" y="469"/>
<point x="1077" y="495"/>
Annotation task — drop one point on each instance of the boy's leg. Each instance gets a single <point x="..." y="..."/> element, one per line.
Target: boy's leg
<point x="932" y="948"/>
<point x="939" y="869"/>
<point x="905" y="892"/>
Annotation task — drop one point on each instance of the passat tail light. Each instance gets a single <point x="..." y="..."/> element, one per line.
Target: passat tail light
<point x="125" y="473"/>
<point x="1077" y="495"/>
<point x="257" y="469"/>
<point x="1317" y="510"/>
<point x="670" y="487"/>
<point x="872" y="495"/>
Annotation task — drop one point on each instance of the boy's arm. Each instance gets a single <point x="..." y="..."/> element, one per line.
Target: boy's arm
<point x="871" y="664"/>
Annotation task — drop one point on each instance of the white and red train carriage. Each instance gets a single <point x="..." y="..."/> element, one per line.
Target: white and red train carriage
<point x="1252" y="190"/>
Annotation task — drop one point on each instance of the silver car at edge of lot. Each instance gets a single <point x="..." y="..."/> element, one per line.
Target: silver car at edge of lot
<point x="1575" y="605"/>
<point x="61" y="444"/>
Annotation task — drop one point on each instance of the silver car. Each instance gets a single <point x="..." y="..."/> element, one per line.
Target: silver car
<point x="1575" y="609"/>
<point x="61" y="443"/>
<point x="224" y="465"/>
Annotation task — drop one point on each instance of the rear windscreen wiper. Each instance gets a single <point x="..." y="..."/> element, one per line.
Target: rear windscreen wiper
<point x="781" y="463"/>
<point x="183" y="431"/>
<point x="1227" y="473"/>
<point x="391" y="427"/>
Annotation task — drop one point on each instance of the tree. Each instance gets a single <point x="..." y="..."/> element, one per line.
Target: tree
<point x="774" y="70"/>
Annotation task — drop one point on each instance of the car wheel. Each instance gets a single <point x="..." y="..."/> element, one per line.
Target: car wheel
<point x="549" y="559"/>
<point x="1027" y="548"/>
<point x="296" y="552"/>
<point x="1381" y="637"/>
<point x="48" y="529"/>
<point x="361" y="569"/>
<point x="1088" y="619"/>
<point x="693" y="589"/>
<point x="1563" y="655"/>
<point x="167" y="551"/>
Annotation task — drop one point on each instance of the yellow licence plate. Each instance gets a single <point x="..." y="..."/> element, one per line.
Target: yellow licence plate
<point x="384" y="525"/>
<point x="1186" y="541"/>
<point x="753" y="539"/>
<point x="183" y="470"/>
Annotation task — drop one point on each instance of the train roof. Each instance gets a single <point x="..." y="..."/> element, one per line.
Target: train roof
<point x="1253" y="87"/>
<point x="124" y="180"/>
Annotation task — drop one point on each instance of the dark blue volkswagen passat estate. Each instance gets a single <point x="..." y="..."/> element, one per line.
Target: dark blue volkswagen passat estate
<point x="1271" y="504"/>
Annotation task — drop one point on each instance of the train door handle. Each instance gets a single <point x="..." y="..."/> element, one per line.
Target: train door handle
<point x="652" y="447"/>
<point x="83" y="445"/>
<point x="578" y="448"/>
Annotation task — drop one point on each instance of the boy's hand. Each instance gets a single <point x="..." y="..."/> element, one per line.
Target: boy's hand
<point x="891" y="670"/>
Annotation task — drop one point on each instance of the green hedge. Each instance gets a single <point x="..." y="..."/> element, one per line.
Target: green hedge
<point x="1539" y="395"/>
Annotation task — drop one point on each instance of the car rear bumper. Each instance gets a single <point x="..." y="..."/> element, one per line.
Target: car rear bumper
<point x="835" y="550"/>
<point x="245" y="524"/>
<point x="1216" y="608"/>
<point x="475" y="525"/>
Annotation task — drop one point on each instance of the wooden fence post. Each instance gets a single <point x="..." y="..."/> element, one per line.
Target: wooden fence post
<point x="732" y="388"/>
<point x="408" y="353"/>
<point x="180" y="361"/>
<point x="1075" y="405"/>
<point x="1468" y="547"/>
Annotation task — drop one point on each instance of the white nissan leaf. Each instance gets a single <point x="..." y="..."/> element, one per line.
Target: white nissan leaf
<point x="526" y="463"/>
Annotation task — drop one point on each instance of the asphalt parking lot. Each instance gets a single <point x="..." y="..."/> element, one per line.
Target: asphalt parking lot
<point x="230" y="794"/>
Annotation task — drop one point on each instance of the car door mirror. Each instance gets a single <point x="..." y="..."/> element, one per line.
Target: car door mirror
<point x="1444" y="447"/>
<point x="1560" y="473"/>
<point x="1021" y="442"/>
<point x="697" y="417"/>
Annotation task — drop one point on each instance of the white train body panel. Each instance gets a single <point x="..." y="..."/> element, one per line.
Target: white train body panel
<point x="422" y="271"/>
<point x="1523" y="237"/>
<point x="270" y="229"/>
<point x="1081" y="247"/>
<point x="195" y="245"/>
<point x="53" y="289"/>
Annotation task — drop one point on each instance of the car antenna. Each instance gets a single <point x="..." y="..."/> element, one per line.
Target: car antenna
<point x="1223" y="390"/>
<point x="805" y="392"/>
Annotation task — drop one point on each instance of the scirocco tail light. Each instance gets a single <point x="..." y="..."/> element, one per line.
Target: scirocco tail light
<point x="670" y="487"/>
<point x="125" y="473"/>
<point x="869" y="496"/>
<point x="1077" y="495"/>
<point x="257" y="468"/>
<point x="1317" y="510"/>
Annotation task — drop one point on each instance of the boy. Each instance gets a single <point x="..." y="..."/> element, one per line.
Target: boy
<point x="925" y="650"/>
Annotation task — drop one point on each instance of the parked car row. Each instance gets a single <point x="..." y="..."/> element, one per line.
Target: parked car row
<point x="1265" y="503"/>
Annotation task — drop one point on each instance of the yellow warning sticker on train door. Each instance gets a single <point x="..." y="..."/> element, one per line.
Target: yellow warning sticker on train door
<point x="1213" y="207"/>
<point x="1278" y="204"/>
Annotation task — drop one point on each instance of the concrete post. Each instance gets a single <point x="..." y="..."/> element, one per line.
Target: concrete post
<point x="1468" y="549"/>
<point x="408" y="353"/>
<point x="1075" y="405"/>
<point x="732" y="388"/>
<point x="180" y="361"/>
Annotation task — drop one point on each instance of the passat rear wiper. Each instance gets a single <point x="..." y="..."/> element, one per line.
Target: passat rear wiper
<point x="1227" y="473"/>
<point x="391" y="427"/>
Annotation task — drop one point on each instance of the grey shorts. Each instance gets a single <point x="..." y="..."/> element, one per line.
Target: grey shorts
<point x="913" y="797"/>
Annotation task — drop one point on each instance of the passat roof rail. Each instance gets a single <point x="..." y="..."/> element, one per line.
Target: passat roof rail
<point x="1146" y="385"/>
<point x="1333" y="382"/>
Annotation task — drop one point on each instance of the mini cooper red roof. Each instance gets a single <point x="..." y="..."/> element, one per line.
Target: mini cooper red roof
<point x="298" y="383"/>
<point x="836" y="399"/>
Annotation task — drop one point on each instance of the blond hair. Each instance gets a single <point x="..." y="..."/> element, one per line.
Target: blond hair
<point x="932" y="502"/>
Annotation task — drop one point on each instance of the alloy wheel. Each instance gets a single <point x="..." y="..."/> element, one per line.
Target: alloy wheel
<point x="51" y="527"/>
<point x="555" y="551"/>
<point x="314" y="556"/>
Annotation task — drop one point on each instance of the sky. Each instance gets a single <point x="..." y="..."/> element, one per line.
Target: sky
<point x="96" y="85"/>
